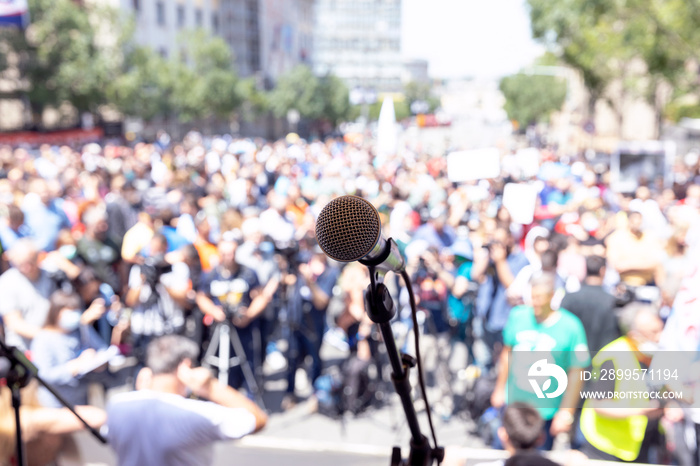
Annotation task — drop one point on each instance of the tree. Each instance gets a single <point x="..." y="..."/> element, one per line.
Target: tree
<point x="145" y="87"/>
<point x="336" y="99"/>
<point x="59" y="56"/>
<point x="588" y="38"/>
<point x="255" y="101"/>
<point x="401" y="109"/>
<point x="532" y="98"/>
<point x="415" y="91"/>
<point x="208" y="86"/>
<point x="641" y="46"/>
<point x="321" y="99"/>
<point x="199" y="83"/>
<point x="297" y="90"/>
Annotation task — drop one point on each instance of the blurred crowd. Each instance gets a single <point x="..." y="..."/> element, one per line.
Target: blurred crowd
<point x="107" y="248"/>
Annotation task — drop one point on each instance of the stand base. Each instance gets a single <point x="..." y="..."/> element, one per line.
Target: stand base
<point x="420" y="455"/>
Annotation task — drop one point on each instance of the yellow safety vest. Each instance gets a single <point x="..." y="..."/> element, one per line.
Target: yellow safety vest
<point x="623" y="437"/>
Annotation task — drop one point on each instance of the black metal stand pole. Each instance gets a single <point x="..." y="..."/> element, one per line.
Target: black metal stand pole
<point x="16" y="403"/>
<point x="20" y="373"/>
<point x="380" y="308"/>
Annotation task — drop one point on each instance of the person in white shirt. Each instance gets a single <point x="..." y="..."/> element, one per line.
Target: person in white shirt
<point x="158" y="424"/>
<point x="25" y="289"/>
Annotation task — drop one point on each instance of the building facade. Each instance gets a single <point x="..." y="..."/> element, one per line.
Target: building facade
<point x="360" y="42"/>
<point x="266" y="37"/>
<point x="159" y="24"/>
<point x="286" y="35"/>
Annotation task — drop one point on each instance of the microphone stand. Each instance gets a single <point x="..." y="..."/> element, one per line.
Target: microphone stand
<point x="20" y="373"/>
<point x="380" y="309"/>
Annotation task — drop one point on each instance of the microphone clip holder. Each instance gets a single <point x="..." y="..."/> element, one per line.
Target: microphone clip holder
<point x="380" y="309"/>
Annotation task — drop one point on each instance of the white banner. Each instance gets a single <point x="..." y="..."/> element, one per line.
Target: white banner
<point x="528" y="161"/>
<point x="476" y="164"/>
<point x="520" y="200"/>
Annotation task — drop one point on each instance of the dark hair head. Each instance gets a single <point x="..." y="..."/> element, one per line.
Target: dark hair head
<point x="523" y="424"/>
<point x="61" y="300"/>
<point x="594" y="266"/>
<point x="15" y="214"/>
<point x="166" y="216"/>
<point x="165" y="354"/>
<point x="558" y="242"/>
<point x="190" y="252"/>
<point x="529" y="458"/>
<point x="161" y="238"/>
<point x="86" y="276"/>
<point x="550" y="258"/>
<point x="540" y="238"/>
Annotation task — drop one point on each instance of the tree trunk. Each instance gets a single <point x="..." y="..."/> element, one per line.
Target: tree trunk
<point x="620" y="122"/>
<point x="592" y="101"/>
<point x="620" y="105"/>
<point x="37" y="123"/>
<point x="658" y="111"/>
<point x="620" y="110"/>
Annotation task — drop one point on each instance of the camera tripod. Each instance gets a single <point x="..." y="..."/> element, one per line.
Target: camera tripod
<point x="225" y="336"/>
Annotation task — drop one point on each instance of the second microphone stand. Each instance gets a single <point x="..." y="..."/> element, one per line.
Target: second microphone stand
<point x="20" y="372"/>
<point x="380" y="308"/>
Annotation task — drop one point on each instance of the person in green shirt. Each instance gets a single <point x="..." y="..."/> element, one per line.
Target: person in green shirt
<point x="538" y="336"/>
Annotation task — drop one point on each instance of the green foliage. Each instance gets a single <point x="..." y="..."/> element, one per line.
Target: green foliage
<point x="532" y="98"/>
<point x="638" y="43"/>
<point x="144" y="89"/>
<point x="60" y="58"/>
<point x="255" y="102"/>
<point x="314" y="98"/>
<point x="199" y="83"/>
<point x="209" y="87"/>
<point x="401" y="109"/>
<point x="417" y="91"/>
<point x="585" y="36"/>
<point x="675" y="111"/>
<point x="83" y="54"/>
<point x="297" y="90"/>
<point x="336" y="98"/>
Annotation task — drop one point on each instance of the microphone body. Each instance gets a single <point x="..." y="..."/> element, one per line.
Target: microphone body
<point x="349" y="229"/>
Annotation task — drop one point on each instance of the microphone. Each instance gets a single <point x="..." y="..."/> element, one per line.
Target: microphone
<point x="349" y="229"/>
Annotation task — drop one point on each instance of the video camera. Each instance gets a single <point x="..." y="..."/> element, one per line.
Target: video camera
<point x="289" y="251"/>
<point x="154" y="267"/>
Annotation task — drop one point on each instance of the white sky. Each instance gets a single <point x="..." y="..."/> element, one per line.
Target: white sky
<point x="460" y="38"/>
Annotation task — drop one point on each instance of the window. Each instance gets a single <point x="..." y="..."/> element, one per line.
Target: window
<point x="215" y="23"/>
<point x="180" y="16"/>
<point x="136" y="4"/>
<point x="160" y="13"/>
<point x="198" y="17"/>
<point x="163" y="52"/>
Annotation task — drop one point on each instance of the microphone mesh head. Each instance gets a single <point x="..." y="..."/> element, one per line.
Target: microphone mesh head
<point x="348" y="228"/>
